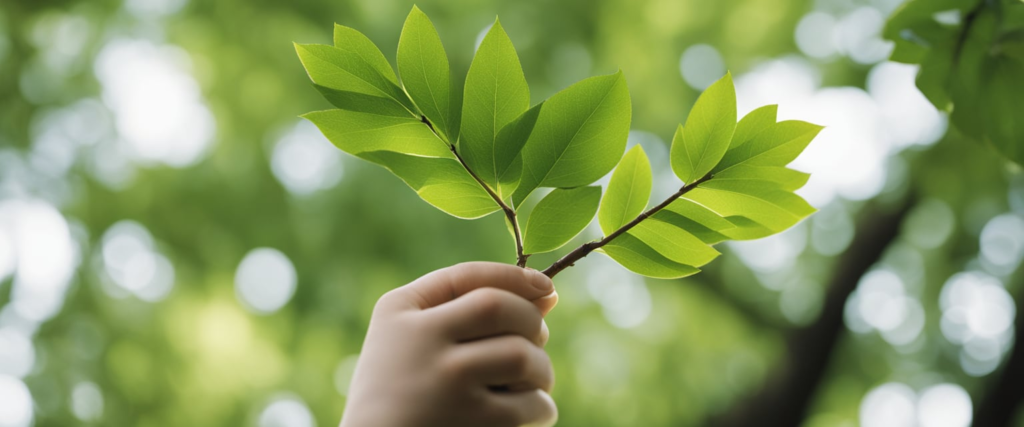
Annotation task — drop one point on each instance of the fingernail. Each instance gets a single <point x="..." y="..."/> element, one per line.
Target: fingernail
<point x="541" y="281"/>
<point x="545" y="333"/>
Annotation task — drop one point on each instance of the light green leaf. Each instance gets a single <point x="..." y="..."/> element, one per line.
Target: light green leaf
<point x="579" y="137"/>
<point x="354" y="101"/>
<point x="639" y="258"/>
<point x="442" y="182"/>
<point x="698" y="213"/>
<point x="781" y="177"/>
<point x="746" y="229"/>
<point x="705" y="234"/>
<point x="777" y="145"/>
<point x="423" y="65"/>
<point x="697" y="219"/>
<point x="752" y="124"/>
<point x="674" y="242"/>
<point x="352" y="68"/>
<point x="496" y="94"/>
<point x="351" y="40"/>
<point x="762" y="203"/>
<point x="628" y="191"/>
<point x="356" y="133"/>
<point x="559" y="217"/>
<point x="699" y="146"/>
<point x="508" y="150"/>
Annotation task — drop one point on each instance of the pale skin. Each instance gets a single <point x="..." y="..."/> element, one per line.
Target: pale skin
<point x="461" y="346"/>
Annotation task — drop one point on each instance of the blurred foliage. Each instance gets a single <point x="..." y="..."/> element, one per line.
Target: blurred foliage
<point x="971" y="65"/>
<point x="201" y="357"/>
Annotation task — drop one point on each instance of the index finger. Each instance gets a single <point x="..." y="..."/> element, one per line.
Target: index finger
<point x="447" y="284"/>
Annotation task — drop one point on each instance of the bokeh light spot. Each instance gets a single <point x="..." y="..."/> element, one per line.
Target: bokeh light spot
<point x="945" y="405"/>
<point x="265" y="280"/>
<point x="304" y="161"/>
<point x="889" y="405"/>
<point x="286" y="411"/>
<point x="701" y="65"/>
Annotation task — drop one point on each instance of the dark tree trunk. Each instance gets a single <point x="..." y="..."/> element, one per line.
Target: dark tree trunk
<point x="786" y="394"/>
<point x="1004" y="399"/>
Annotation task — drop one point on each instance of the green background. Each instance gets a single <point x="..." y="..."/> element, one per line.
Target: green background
<point x="98" y="96"/>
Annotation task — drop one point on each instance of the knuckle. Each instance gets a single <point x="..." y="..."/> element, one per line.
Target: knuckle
<point x="489" y="305"/>
<point x="452" y="367"/>
<point x="389" y="299"/>
<point x="520" y="355"/>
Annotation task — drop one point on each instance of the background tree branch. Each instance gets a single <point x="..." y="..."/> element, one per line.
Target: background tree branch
<point x="785" y="396"/>
<point x="1003" y="399"/>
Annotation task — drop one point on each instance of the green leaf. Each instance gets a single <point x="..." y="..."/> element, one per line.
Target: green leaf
<point x="559" y="217"/>
<point x="1006" y="102"/>
<point x="579" y="137"/>
<point x="700" y="145"/>
<point x="496" y="95"/>
<point x="698" y="213"/>
<point x="423" y="65"/>
<point x="356" y="133"/>
<point x="700" y="231"/>
<point x="508" y="146"/>
<point x="639" y="258"/>
<point x="783" y="178"/>
<point x="762" y="203"/>
<point x="442" y="182"/>
<point x="674" y="243"/>
<point x="353" y="68"/>
<point x="777" y="145"/>
<point x="354" y="101"/>
<point x="752" y="124"/>
<point x="697" y="219"/>
<point x="628" y="191"/>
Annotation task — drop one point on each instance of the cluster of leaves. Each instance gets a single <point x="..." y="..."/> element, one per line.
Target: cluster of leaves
<point x="485" y="149"/>
<point x="971" y="54"/>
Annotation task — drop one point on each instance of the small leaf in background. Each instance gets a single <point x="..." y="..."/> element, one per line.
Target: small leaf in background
<point x="674" y="242"/>
<point x="778" y="145"/>
<point x="559" y="217"/>
<point x="701" y="143"/>
<point x="641" y="259"/>
<point x="496" y="94"/>
<point x="356" y="133"/>
<point x="347" y="70"/>
<point x="423" y="65"/>
<point x="628" y="191"/>
<point x="442" y="182"/>
<point x="579" y="137"/>
<point x="508" y="145"/>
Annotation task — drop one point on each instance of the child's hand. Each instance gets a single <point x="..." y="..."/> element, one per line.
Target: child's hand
<point x="461" y="346"/>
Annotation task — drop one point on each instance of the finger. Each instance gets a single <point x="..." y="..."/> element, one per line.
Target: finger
<point x="509" y="361"/>
<point x="546" y="303"/>
<point x="447" y="284"/>
<point x="533" y="408"/>
<point x="488" y="312"/>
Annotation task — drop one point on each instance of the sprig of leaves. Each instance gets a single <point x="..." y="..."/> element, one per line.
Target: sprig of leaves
<point x="971" y="68"/>
<point x="492" y="151"/>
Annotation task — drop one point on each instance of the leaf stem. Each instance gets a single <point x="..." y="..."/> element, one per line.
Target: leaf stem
<point x="510" y="213"/>
<point x="585" y="249"/>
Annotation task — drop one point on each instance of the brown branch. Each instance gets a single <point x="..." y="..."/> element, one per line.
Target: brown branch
<point x="510" y="213"/>
<point x="585" y="249"/>
<point x="785" y="396"/>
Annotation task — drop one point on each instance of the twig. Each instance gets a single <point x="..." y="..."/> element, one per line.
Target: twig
<point x="510" y="213"/>
<point x="585" y="249"/>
